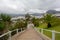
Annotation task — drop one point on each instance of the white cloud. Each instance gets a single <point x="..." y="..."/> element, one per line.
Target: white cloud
<point x="11" y="6"/>
<point x="57" y="9"/>
<point x="37" y="11"/>
<point x="17" y="6"/>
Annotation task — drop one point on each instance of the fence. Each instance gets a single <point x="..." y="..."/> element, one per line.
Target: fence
<point x="52" y="31"/>
<point x="10" y="34"/>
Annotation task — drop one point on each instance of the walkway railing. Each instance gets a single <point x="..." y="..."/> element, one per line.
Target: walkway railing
<point x="9" y="34"/>
<point x="52" y="31"/>
<point x="38" y="29"/>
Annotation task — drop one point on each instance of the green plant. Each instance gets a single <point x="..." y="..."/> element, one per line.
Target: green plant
<point x="6" y="20"/>
<point x="2" y="26"/>
<point x="47" y="19"/>
<point x="35" y="21"/>
<point x="21" y="24"/>
<point x="27" y="17"/>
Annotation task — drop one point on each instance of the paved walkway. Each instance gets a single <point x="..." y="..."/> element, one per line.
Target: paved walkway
<point x="29" y="34"/>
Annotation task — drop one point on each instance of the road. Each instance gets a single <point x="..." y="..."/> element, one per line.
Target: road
<point x="29" y="34"/>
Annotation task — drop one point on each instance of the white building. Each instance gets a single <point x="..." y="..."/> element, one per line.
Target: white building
<point x="16" y="18"/>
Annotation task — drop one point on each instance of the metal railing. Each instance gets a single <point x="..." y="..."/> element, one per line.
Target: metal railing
<point x="52" y="31"/>
<point x="10" y="33"/>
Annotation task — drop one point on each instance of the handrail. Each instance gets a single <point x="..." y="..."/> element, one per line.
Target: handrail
<point x="49" y="30"/>
<point x="9" y="33"/>
<point x="3" y="34"/>
<point x="53" y="32"/>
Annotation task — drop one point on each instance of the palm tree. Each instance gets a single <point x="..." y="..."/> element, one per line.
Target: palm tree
<point x="6" y="19"/>
<point x="1" y="27"/>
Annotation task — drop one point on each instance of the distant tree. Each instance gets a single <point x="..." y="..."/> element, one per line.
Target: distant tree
<point x="27" y="16"/>
<point x="47" y="18"/>
<point x="21" y="24"/>
<point x="55" y="21"/>
<point x="35" y="21"/>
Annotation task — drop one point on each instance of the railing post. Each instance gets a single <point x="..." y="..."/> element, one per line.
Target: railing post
<point x="42" y="31"/>
<point x="35" y="28"/>
<point x="17" y="31"/>
<point x="21" y="29"/>
<point x="9" y="35"/>
<point x="53" y="35"/>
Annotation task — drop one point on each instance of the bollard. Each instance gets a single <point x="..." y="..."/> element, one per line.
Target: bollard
<point x="53" y="35"/>
<point x="42" y="31"/>
<point x="21" y="29"/>
<point x="9" y="35"/>
<point x="17" y="31"/>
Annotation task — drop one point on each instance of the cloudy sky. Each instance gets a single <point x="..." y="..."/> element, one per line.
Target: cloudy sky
<point x="20" y="6"/>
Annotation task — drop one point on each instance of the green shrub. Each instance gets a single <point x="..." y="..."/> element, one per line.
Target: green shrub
<point x="2" y="26"/>
<point x="35" y="21"/>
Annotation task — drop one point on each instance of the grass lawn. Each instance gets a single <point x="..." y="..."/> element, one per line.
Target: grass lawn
<point x="49" y="34"/>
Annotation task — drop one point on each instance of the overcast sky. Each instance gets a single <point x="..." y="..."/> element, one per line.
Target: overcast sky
<point x="19" y="6"/>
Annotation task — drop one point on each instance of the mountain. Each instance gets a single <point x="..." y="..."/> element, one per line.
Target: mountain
<point x="52" y="11"/>
<point x="16" y="15"/>
<point x="37" y="14"/>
